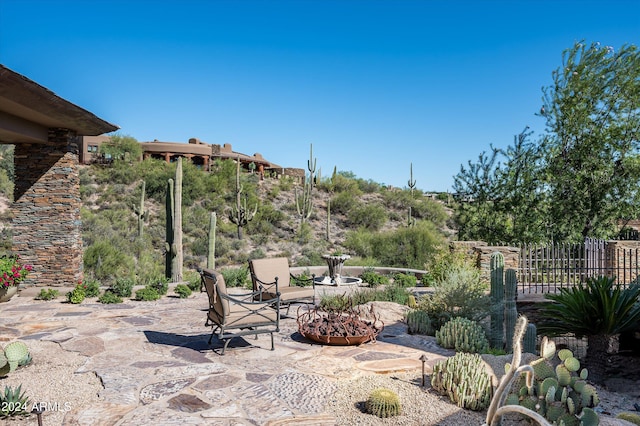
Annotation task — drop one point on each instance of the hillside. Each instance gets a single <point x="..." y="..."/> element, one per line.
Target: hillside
<point x="367" y="221"/>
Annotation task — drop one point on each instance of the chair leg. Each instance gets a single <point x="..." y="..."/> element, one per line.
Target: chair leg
<point x="226" y="343"/>
<point x="211" y="337"/>
<point x="273" y="348"/>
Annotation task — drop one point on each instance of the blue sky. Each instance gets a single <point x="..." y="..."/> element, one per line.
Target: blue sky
<point x="373" y="85"/>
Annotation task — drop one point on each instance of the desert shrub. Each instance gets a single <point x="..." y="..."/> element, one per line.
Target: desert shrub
<point x="391" y="293"/>
<point x="310" y="258"/>
<point x="122" y="287"/>
<point x="461" y="293"/>
<point x="369" y="216"/>
<point x="342" y="203"/>
<point x="285" y="183"/>
<point x="105" y="260"/>
<point x="374" y="279"/>
<point x="405" y="280"/>
<point x="304" y="234"/>
<point x="236" y="277"/>
<point x="424" y="208"/>
<point x="147" y="294"/>
<point x="183" y="291"/>
<point x="403" y="247"/>
<point x="47" y="294"/>
<point x="368" y="186"/>
<point x="442" y="261"/>
<point x="109" y="297"/>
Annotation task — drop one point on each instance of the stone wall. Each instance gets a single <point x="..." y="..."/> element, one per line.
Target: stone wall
<point x="46" y="222"/>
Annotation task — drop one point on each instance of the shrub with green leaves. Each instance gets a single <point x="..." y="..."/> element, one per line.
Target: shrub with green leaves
<point x="123" y="287"/>
<point x="405" y="280"/>
<point x="91" y="288"/>
<point x="371" y="217"/>
<point x="460" y="293"/>
<point x="236" y="277"/>
<point x="183" y="291"/>
<point x="47" y="294"/>
<point x="374" y="279"/>
<point x="76" y="296"/>
<point x="109" y="297"/>
<point x="147" y="294"/>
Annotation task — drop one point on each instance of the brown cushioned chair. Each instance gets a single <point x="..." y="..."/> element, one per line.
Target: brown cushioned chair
<point x="272" y="275"/>
<point x="238" y="314"/>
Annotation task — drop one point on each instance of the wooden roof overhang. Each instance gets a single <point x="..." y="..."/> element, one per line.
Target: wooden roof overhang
<point x="28" y="110"/>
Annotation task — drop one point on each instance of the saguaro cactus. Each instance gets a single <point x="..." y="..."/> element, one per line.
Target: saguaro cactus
<point x="497" y="300"/>
<point x="304" y="202"/>
<point x="169" y="245"/>
<point x="173" y="244"/>
<point x="211" y="250"/>
<point x="240" y="214"/>
<point x="411" y="182"/>
<point x="140" y="212"/>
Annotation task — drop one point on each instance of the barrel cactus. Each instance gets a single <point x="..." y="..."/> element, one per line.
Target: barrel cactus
<point x="462" y="335"/>
<point x="463" y="377"/>
<point x="383" y="403"/>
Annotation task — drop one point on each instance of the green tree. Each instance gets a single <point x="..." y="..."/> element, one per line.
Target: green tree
<point x="581" y="176"/>
<point x="592" y="114"/>
<point x="121" y="147"/>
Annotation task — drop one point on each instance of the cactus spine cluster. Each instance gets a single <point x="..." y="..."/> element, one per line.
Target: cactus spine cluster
<point x="140" y="212"/>
<point x="545" y="393"/>
<point x="418" y="322"/>
<point x="211" y="246"/>
<point x="240" y="214"/>
<point x="304" y="202"/>
<point x="383" y="403"/>
<point x="14" y="354"/>
<point x="173" y="243"/>
<point x="463" y="335"/>
<point x="463" y="377"/>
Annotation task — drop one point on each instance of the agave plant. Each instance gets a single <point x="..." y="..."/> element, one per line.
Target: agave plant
<point x="597" y="309"/>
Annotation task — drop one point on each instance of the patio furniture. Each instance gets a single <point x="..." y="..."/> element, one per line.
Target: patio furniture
<point x="272" y="274"/>
<point x="238" y="314"/>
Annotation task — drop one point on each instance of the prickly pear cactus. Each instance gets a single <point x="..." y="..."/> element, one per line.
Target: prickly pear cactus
<point x="383" y="403"/>
<point x="560" y="389"/>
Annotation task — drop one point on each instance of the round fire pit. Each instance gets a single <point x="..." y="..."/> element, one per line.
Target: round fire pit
<point x="338" y="327"/>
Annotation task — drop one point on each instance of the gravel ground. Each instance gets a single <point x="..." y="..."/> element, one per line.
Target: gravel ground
<point x="52" y="380"/>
